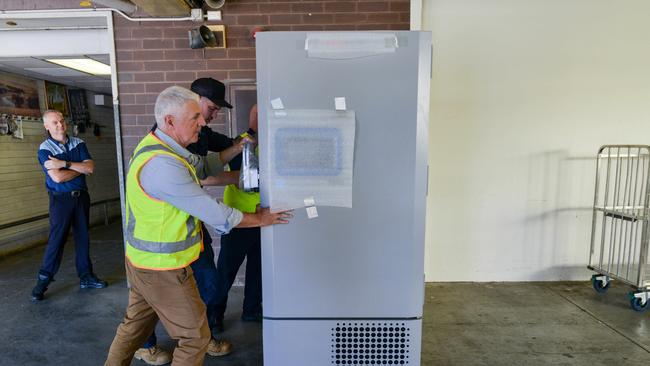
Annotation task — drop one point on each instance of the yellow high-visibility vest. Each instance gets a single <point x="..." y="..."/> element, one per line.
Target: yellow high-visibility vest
<point x="159" y="236"/>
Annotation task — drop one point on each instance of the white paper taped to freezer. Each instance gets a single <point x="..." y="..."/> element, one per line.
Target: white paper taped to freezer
<point x="311" y="154"/>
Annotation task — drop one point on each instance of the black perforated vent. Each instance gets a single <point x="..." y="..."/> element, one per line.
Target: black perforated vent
<point x="370" y="343"/>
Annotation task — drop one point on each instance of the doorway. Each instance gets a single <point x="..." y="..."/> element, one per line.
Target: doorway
<point x="32" y="81"/>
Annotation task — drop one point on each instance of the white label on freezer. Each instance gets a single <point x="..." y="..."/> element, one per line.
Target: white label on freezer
<point x="339" y="103"/>
<point x="277" y="104"/>
<point x="309" y="201"/>
<point x="312" y="212"/>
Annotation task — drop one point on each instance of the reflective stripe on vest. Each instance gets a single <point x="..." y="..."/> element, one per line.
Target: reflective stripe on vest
<point x="158" y="235"/>
<point x="158" y="247"/>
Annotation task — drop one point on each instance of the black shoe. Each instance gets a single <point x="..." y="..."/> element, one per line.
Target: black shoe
<point x="41" y="286"/>
<point x="91" y="281"/>
<point x="253" y="317"/>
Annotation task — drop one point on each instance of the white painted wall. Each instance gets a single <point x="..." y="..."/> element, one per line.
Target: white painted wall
<point x="523" y="94"/>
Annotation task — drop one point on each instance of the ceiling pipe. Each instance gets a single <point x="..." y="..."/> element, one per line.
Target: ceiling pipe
<point x="195" y="16"/>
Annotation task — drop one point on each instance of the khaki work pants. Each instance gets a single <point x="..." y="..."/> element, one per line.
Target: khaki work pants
<point x="172" y="297"/>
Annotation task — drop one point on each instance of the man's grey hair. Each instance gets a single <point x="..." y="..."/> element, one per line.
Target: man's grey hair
<point x="171" y="101"/>
<point x="50" y="111"/>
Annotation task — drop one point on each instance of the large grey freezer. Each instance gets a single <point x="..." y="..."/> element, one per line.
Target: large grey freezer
<point x="344" y="285"/>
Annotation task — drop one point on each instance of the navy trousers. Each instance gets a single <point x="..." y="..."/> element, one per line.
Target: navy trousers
<point x="235" y="246"/>
<point x="205" y="274"/>
<point x="67" y="211"/>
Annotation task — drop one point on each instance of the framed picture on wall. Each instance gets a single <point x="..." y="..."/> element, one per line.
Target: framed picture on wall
<point x="18" y="95"/>
<point x="243" y="95"/>
<point x="56" y="98"/>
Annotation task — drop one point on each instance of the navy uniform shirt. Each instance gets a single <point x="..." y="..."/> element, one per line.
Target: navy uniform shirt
<point x="74" y="150"/>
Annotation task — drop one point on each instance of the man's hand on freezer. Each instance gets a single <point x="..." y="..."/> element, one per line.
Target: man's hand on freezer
<point x="264" y="217"/>
<point x="268" y="218"/>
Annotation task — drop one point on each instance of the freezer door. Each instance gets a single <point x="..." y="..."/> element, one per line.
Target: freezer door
<point x="365" y="261"/>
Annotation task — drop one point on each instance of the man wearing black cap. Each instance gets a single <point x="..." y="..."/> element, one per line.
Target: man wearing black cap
<point x="212" y="93"/>
<point x="212" y="98"/>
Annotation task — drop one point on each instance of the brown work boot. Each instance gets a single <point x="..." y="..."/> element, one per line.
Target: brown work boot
<point x="219" y="348"/>
<point x="153" y="356"/>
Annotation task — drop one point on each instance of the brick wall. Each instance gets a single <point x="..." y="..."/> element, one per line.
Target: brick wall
<point x="154" y="55"/>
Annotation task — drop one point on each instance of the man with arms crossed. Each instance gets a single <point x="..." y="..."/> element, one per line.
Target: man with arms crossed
<point x="66" y="163"/>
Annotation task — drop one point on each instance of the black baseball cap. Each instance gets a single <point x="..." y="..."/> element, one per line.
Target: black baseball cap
<point x="211" y="89"/>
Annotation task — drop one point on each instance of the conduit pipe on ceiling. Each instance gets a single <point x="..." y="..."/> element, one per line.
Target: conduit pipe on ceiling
<point x="197" y="14"/>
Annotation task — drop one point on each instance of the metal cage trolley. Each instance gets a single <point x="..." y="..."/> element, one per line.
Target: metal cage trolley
<point x="619" y="232"/>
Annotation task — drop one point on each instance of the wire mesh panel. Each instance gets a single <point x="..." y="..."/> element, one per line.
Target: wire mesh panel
<point x="619" y="240"/>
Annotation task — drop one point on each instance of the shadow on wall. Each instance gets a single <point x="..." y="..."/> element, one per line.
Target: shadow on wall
<point x="559" y="213"/>
<point x="565" y="273"/>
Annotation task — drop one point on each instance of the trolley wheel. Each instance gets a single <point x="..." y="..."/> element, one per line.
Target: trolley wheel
<point x="636" y="304"/>
<point x="598" y="285"/>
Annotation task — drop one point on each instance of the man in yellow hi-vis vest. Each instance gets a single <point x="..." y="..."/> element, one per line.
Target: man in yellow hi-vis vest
<point x="164" y="208"/>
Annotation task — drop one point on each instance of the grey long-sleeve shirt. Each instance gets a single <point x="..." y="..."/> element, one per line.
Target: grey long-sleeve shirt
<point x="167" y="179"/>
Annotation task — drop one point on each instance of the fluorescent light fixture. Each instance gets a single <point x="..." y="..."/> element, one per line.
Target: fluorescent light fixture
<point x="87" y="65"/>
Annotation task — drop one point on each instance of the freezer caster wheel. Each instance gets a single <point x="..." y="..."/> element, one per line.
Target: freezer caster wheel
<point x="600" y="283"/>
<point x="638" y="305"/>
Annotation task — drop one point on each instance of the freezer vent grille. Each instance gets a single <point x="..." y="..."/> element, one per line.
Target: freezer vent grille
<point x="370" y="343"/>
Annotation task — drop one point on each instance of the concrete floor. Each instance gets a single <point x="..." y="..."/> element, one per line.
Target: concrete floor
<point x="464" y="323"/>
